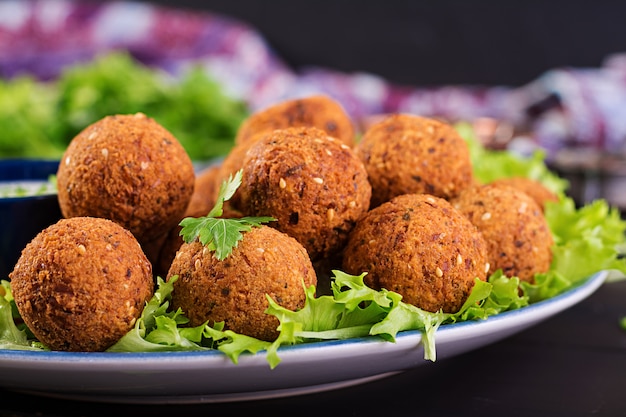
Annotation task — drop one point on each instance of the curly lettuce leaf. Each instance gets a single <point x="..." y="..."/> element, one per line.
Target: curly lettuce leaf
<point x="157" y="329"/>
<point x="348" y="312"/>
<point x="161" y="330"/>
<point x="11" y="335"/>
<point x="355" y="310"/>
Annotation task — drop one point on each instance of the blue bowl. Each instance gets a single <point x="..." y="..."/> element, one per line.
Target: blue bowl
<point x="23" y="217"/>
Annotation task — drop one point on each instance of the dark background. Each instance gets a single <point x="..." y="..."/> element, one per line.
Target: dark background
<point x="429" y="43"/>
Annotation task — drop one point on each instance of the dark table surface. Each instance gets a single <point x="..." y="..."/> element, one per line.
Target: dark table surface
<point x="573" y="364"/>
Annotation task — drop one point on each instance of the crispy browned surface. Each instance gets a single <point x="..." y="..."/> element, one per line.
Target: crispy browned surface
<point x="233" y="161"/>
<point x="313" y="184"/>
<point x="129" y="169"/>
<point x="319" y="111"/>
<point x="165" y="248"/>
<point x="81" y="284"/>
<point x="539" y="192"/>
<point x="421" y="247"/>
<point x="265" y="261"/>
<point x="205" y="190"/>
<point x="517" y="234"/>
<point x="406" y="154"/>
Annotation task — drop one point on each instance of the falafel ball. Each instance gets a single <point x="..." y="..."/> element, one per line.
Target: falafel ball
<point x="408" y="154"/>
<point x="421" y="247"/>
<point x="129" y="169"/>
<point x="234" y="290"/>
<point x="311" y="183"/>
<point x="518" y="237"/>
<point x="539" y="192"/>
<point x="319" y="111"/>
<point x="81" y="284"/>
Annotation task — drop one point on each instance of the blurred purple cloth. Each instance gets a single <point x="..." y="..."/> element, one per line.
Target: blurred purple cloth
<point x="563" y="108"/>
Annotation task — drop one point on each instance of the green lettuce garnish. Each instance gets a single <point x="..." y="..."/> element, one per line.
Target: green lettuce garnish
<point x="39" y="118"/>
<point x="353" y="310"/>
<point x="159" y="330"/>
<point x="12" y="336"/>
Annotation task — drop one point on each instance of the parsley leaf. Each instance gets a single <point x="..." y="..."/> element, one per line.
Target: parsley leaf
<point x="39" y="117"/>
<point x="220" y="235"/>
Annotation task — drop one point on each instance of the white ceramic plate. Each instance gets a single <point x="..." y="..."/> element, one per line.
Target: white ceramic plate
<point x="204" y="377"/>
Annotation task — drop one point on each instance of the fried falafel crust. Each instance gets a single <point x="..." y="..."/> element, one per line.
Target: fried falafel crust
<point x="81" y="284"/>
<point x="518" y="237"/>
<point x="205" y="190"/>
<point x="313" y="184"/>
<point x="421" y="247"/>
<point x="408" y="154"/>
<point x="318" y="110"/>
<point x="234" y="290"/>
<point x="539" y="192"/>
<point x="129" y="169"/>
